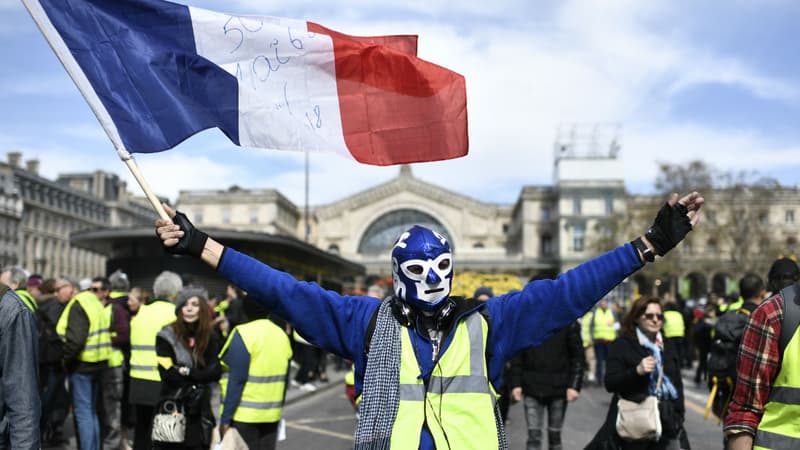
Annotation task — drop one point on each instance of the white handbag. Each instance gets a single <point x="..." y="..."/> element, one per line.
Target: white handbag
<point x="639" y="421"/>
<point x="169" y="424"/>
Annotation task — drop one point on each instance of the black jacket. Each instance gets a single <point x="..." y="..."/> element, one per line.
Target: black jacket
<point x="549" y="369"/>
<point x="624" y="354"/>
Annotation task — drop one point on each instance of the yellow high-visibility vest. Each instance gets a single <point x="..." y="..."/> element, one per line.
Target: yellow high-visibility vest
<point x="603" y="325"/>
<point x="459" y="405"/>
<point x="117" y="358"/>
<point x="270" y="352"/>
<point x="673" y="324"/>
<point x="28" y="299"/>
<point x="98" y="341"/>
<point x="145" y="325"/>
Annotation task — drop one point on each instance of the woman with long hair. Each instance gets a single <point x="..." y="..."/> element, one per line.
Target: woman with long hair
<point x="187" y="361"/>
<point x="634" y="363"/>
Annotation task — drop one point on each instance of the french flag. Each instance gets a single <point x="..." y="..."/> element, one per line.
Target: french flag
<point x="156" y="72"/>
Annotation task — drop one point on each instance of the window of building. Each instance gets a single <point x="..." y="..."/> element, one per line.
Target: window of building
<point x="576" y="206"/>
<point x="333" y="248"/>
<point x="384" y="231"/>
<point x="198" y="216"/>
<point x="226" y="215"/>
<point x="578" y="237"/>
<point x="609" y="205"/>
<point x="763" y="218"/>
<point x="790" y="217"/>
<point x="712" y="246"/>
<point x="478" y="245"/>
<point x="547" y="245"/>
<point x="546" y="213"/>
<point x="253" y="216"/>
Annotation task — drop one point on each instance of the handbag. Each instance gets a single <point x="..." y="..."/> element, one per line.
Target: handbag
<point x="169" y="423"/>
<point x="640" y="421"/>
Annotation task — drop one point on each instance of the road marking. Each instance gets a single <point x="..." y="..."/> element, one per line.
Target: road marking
<point x="326" y="419"/>
<point x="694" y="406"/>
<point x="297" y="426"/>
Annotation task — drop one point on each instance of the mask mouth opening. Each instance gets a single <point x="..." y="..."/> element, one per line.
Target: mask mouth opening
<point x="432" y="291"/>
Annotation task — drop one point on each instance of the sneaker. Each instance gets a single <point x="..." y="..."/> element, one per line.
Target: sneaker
<point x="308" y="387"/>
<point x="294" y="384"/>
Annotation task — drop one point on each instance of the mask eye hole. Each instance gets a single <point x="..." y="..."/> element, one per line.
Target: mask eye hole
<point x="416" y="269"/>
<point x="444" y="264"/>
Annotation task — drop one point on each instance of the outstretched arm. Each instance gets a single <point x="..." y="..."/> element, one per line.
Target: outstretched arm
<point x="528" y="317"/>
<point x="325" y="318"/>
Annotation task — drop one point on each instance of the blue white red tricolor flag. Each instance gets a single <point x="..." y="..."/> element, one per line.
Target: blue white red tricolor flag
<point x="156" y="72"/>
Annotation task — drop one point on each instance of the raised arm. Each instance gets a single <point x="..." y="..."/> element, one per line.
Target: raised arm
<point x="325" y="318"/>
<point x="530" y="316"/>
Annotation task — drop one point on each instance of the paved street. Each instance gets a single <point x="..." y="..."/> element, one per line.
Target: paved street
<point x="325" y="420"/>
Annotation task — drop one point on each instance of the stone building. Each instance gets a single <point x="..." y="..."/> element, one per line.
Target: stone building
<point x="37" y="217"/>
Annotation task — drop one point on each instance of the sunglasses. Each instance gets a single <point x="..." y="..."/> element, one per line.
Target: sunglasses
<point x="652" y="316"/>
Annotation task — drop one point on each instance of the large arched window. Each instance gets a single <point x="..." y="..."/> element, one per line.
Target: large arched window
<point x="384" y="231"/>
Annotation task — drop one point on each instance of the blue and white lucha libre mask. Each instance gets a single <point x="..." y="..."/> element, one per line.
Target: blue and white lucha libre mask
<point x="422" y="267"/>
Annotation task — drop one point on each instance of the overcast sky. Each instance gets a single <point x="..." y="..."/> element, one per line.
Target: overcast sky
<point x="716" y="80"/>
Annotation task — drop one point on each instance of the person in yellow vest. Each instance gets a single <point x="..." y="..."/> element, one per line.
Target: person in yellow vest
<point x="145" y="388"/>
<point x="187" y="352"/>
<point x="588" y="346"/>
<point x="761" y="415"/>
<point x="674" y="328"/>
<point x="17" y="279"/>
<point x="117" y="303"/>
<point x="255" y="359"/>
<point x="603" y="326"/>
<point x="429" y="365"/>
<point x="83" y="326"/>
<point x="111" y="382"/>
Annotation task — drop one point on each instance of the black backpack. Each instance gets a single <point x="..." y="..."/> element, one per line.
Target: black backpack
<point x="722" y="358"/>
<point x="51" y="347"/>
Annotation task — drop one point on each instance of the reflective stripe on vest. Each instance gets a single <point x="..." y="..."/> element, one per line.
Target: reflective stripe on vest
<point x="28" y="299"/>
<point x="460" y="402"/>
<point x="117" y="358"/>
<point x="145" y="325"/>
<point x="779" y="428"/>
<point x="673" y="324"/>
<point x="98" y="341"/>
<point x="604" y="325"/>
<point x="270" y="351"/>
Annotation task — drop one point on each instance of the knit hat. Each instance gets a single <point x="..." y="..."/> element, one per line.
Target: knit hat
<point x="35" y="281"/>
<point x="483" y="290"/>
<point x="186" y="293"/>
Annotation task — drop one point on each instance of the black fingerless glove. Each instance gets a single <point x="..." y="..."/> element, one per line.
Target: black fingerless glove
<point x="670" y="227"/>
<point x="193" y="241"/>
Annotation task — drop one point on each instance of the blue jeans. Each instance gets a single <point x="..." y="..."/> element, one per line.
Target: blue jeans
<point x="600" y="355"/>
<point x="85" y="388"/>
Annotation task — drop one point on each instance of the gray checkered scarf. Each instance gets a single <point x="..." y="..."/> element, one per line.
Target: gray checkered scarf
<point x="380" y="397"/>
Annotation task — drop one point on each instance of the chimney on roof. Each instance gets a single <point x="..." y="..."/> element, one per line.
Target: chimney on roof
<point x="14" y="158"/>
<point x="32" y="166"/>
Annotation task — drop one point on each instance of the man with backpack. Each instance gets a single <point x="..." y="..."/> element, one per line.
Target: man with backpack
<point x="765" y="406"/>
<point x="725" y="345"/>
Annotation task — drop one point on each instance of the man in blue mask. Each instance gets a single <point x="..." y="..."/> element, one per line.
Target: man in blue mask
<point x="428" y="365"/>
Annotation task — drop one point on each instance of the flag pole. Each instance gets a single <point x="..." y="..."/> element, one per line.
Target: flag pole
<point x="148" y="192"/>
